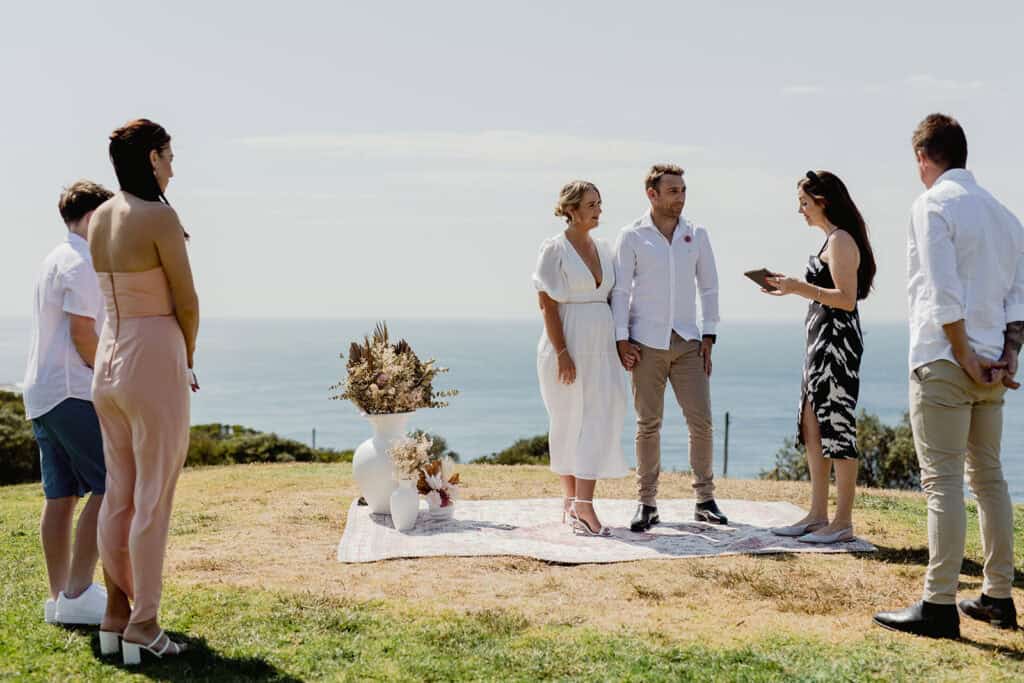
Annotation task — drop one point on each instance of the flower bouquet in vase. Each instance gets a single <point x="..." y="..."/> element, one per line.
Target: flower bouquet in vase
<point x="387" y="382"/>
<point x="409" y="455"/>
<point x="439" y="483"/>
<point x="435" y="478"/>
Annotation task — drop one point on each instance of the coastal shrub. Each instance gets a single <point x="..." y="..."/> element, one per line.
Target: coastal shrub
<point x="221" y="444"/>
<point x="250" y="448"/>
<point x="533" y="451"/>
<point x="209" y="444"/>
<point x="19" y="454"/>
<point x="333" y="455"/>
<point x="218" y="444"/>
<point x="887" y="456"/>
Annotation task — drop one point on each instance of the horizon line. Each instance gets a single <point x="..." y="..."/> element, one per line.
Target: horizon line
<point x="451" y="318"/>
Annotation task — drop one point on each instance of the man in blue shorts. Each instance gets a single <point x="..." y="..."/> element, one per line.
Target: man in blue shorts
<point x="66" y="317"/>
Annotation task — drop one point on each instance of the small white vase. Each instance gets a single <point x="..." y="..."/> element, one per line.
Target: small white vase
<point x="371" y="465"/>
<point x="405" y="505"/>
<point x="441" y="513"/>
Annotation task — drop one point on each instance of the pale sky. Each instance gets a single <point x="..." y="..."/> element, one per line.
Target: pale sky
<point x="402" y="159"/>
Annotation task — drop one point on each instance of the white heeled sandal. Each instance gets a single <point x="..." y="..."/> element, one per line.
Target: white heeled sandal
<point x="132" y="652"/>
<point x="110" y="642"/>
<point x="581" y="525"/>
<point x="567" y="510"/>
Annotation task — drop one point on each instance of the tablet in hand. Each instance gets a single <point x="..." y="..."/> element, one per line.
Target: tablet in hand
<point x="760" y="277"/>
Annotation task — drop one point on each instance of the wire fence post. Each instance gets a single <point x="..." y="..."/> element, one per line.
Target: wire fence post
<point x="314" y="438"/>
<point x="725" y="463"/>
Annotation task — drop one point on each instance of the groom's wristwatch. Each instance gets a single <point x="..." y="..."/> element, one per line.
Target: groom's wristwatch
<point x="712" y="337"/>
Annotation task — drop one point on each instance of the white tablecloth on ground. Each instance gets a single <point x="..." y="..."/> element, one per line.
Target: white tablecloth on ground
<point x="532" y="528"/>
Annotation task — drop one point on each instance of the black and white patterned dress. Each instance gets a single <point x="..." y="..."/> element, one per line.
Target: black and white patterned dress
<point x="831" y="379"/>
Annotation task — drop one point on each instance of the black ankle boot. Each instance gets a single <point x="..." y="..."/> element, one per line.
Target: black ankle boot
<point x="923" y="619"/>
<point x="708" y="512"/>
<point x="1000" y="612"/>
<point x="646" y="516"/>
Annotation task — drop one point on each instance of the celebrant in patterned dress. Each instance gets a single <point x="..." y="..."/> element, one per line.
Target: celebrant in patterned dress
<point x="837" y="278"/>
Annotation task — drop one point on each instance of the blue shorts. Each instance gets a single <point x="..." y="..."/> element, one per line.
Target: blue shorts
<point x="71" y="450"/>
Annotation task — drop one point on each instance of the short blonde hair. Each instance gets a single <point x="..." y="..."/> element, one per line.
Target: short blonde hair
<point x="571" y="197"/>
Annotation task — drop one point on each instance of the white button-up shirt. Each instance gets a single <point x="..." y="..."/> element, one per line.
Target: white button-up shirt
<point x="67" y="284"/>
<point x="965" y="261"/>
<point x="657" y="281"/>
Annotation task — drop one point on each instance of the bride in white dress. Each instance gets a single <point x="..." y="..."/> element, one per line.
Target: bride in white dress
<point x="581" y="377"/>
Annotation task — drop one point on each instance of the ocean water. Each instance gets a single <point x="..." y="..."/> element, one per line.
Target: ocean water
<point x="274" y="375"/>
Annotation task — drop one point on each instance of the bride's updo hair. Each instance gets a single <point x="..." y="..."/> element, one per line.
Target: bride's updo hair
<point x="571" y="197"/>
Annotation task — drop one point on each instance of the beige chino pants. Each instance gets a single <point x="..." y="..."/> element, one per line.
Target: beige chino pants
<point x="956" y="421"/>
<point x="682" y="366"/>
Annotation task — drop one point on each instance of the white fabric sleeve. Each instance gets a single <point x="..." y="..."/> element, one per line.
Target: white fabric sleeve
<point x="549" y="277"/>
<point x="622" y="292"/>
<point x="1014" y="303"/>
<point x="82" y="295"/>
<point x="707" y="285"/>
<point x="943" y="298"/>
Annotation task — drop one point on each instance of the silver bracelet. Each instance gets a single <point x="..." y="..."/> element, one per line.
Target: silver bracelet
<point x="565" y="350"/>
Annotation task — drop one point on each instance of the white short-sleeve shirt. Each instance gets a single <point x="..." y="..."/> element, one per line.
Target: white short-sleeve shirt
<point x="67" y="284"/>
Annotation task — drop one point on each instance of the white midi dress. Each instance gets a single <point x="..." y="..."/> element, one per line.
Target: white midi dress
<point x="586" y="417"/>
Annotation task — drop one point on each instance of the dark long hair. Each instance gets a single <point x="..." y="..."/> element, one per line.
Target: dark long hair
<point x="130" y="146"/>
<point x="841" y="212"/>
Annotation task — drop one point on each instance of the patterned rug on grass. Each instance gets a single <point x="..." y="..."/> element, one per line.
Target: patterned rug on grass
<point x="533" y="528"/>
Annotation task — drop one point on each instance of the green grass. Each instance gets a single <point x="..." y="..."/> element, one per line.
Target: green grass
<point x="286" y="635"/>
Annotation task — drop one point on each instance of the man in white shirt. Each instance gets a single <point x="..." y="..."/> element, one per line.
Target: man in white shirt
<point x="662" y="262"/>
<point x="66" y="317"/>
<point x="965" y="258"/>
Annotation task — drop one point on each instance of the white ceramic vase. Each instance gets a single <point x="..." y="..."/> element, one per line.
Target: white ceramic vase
<point x="405" y="505"/>
<point x="371" y="465"/>
<point x="442" y="513"/>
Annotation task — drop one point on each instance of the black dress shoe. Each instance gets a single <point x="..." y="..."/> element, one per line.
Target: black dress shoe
<point x="709" y="512"/>
<point x="1000" y="612"/>
<point x="923" y="619"/>
<point x="646" y="516"/>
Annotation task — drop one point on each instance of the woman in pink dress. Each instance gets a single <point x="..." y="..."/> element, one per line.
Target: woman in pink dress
<point x="141" y="383"/>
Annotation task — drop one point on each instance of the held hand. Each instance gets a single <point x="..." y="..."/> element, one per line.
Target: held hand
<point x="566" y="369"/>
<point x="982" y="371"/>
<point x="705" y="353"/>
<point x="193" y="381"/>
<point x="629" y="354"/>
<point x="783" y="285"/>
<point x="1010" y="373"/>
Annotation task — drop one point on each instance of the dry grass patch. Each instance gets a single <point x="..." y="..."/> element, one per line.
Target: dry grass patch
<point x="278" y="526"/>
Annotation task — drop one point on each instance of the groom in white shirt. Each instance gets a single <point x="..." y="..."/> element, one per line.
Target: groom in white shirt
<point x="662" y="262"/>
<point x="965" y="257"/>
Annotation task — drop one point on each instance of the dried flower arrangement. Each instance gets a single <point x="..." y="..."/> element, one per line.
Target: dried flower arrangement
<point x="409" y="455"/>
<point x="385" y="378"/>
<point x="435" y="478"/>
<point x="439" y="483"/>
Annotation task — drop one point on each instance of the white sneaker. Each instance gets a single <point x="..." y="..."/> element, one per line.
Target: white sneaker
<point x="87" y="608"/>
<point x="50" y="611"/>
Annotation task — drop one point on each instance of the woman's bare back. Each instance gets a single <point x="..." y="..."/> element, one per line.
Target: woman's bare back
<point x="130" y="235"/>
<point x="123" y="234"/>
